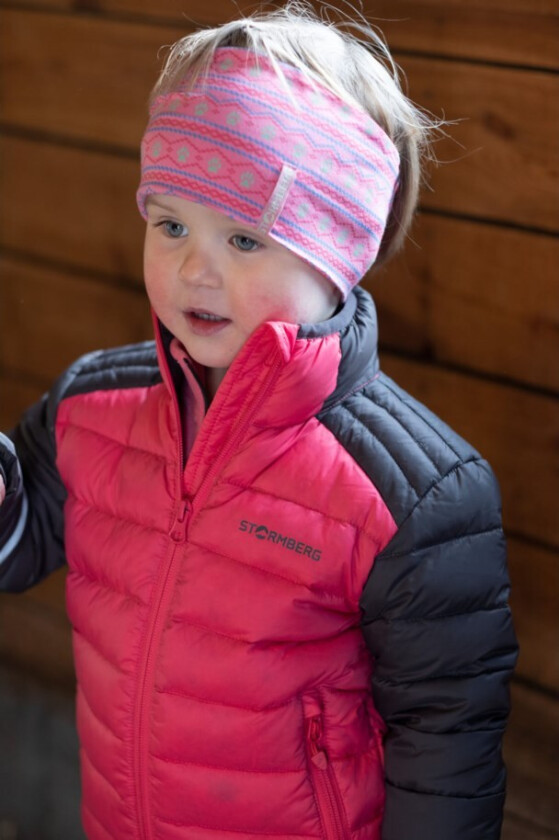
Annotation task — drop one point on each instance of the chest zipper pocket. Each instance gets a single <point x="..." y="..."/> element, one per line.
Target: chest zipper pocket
<point x="330" y="805"/>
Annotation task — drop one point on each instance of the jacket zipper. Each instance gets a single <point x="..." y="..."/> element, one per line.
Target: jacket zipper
<point x="237" y="433"/>
<point x="330" y="805"/>
<point x="156" y="619"/>
<point x="161" y="598"/>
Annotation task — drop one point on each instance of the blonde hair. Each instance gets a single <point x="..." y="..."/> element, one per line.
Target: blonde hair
<point x="348" y="57"/>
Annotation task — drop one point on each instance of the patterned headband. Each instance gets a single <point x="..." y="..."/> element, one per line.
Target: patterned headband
<point x="318" y="178"/>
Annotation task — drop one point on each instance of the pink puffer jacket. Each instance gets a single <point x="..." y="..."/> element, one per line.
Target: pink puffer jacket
<point x="227" y="615"/>
<point x="224" y="683"/>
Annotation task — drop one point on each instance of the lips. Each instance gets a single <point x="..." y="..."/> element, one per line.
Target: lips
<point x="205" y="323"/>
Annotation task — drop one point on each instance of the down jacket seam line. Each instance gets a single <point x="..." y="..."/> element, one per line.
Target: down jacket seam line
<point x="470" y="535"/>
<point x="110" y="515"/>
<point x="384" y="447"/>
<point x="68" y="424"/>
<point x="101" y="722"/>
<point x="432" y="486"/>
<point x="95" y="648"/>
<point x="273" y="771"/>
<point x="178" y="619"/>
<point x="439" y="616"/>
<point x="272" y="707"/>
<point x="312" y="588"/>
<point x="402" y="425"/>
<point x="96" y="820"/>
<point x="448" y="675"/>
<point x="303" y="505"/>
<point x="423" y="417"/>
<point x="282" y="835"/>
<point x="425" y="792"/>
<point x="105" y="584"/>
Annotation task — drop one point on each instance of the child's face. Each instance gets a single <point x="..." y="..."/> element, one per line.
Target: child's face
<point x="212" y="281"/>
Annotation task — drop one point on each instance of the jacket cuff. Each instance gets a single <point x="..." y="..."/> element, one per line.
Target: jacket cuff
<point x="13" y="512"/>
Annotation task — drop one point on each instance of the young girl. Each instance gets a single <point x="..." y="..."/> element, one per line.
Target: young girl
<point x="286" y="577"/>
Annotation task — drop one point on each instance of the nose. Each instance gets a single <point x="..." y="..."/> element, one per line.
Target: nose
<point x="200" y="265"/>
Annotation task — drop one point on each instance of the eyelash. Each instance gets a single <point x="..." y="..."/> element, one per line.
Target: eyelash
<point x="166" y="224"/>
<point x="254" y="242"/>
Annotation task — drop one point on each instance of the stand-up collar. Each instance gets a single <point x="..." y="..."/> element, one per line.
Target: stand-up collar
<point x="316" y="365"/>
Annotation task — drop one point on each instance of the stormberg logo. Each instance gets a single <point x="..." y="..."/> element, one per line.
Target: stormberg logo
<point x="262" y="532"/>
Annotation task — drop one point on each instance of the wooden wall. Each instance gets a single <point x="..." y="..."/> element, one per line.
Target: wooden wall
<point x="469" y="313"/>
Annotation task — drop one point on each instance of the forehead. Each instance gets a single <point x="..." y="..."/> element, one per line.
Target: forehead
<point x="195" y="211"/>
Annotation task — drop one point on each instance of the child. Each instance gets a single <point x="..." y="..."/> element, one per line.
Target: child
<point x="286" y="577"/>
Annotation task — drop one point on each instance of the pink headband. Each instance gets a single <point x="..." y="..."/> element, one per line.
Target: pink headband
<point x="318" y="178"/>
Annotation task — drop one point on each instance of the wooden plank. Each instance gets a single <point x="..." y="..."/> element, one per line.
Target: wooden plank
<point x="502" y="160"/>
<point x="15" y="396"/>
<point x="485" y="31"/>
<point x="52" y="80"/>
<point x="516" y="430"/>
<point x="71" y="206"/>
<point x="533" y="760"/>
<point x="534" y="574"/>
<point x="459" y="293"/>
<point x="515" y="828"/>
<point x="519" y="32"/>
<point x="456" y="279"/>
<point x="77" y="316"/>
<point x="37" y="638"/>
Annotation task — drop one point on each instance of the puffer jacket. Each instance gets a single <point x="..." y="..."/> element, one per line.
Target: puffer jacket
<point x="304" y="632"/>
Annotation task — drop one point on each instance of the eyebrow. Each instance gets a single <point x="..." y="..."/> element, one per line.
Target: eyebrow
<point x="158" y="203"/>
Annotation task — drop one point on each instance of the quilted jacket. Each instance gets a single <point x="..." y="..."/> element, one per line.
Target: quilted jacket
<point x="302" y="633"/>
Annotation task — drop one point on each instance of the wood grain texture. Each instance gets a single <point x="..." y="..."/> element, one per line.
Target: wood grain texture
<point x="534" y="574"/>
<point x="84" y="214"/>
<point x="474" y="295"/>
<point x="533" y="760"/>
<point x="518" y="32"/>
<point x="502" y="161"/>
<point x="42" y="333"/>
<point x="36" y="637"/>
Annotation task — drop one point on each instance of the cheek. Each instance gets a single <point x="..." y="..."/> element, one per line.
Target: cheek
<point x="154" y="282"/>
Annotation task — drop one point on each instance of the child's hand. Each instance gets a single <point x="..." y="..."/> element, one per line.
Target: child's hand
<point x="2" y="490"/>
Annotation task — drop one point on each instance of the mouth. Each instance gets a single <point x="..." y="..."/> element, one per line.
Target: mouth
<point x="203" y="322"/>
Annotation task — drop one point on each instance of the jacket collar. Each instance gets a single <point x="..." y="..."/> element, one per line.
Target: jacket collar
<point x="319" y="364"/>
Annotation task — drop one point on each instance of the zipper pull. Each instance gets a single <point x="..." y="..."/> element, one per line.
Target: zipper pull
<point x="314" y="732"/>
<point x="178" y="528"/>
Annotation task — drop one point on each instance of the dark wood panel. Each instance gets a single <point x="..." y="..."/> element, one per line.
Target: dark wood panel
<point x="47" y="318"/>
<point x="462" y="292"/>
<point x="71" y="206"/>
<point x="533" y="762"/>
<point x="52" y="80"/>
<point x="474" y="295"/>
<point x="515" y="828"/>
<point x="493" y="30"/>
<point x="502" y="159"/>
<point x="534" y="574"/>
<point x="15" y="396"/>
<point x="517" y="431"/>
<point x="36" y="637"/>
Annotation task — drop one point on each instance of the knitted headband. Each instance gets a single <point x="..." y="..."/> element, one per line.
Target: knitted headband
<point x="318" y="178"/>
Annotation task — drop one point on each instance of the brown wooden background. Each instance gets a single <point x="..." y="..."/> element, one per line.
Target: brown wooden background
<point x="469" y="313"/>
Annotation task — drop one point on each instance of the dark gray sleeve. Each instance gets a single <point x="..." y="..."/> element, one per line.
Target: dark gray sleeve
<point x="31" y="517"/>
<point x="436" y="620"/>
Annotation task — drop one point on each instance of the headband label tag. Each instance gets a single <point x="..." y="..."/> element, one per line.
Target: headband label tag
<point x="277" y="199"/>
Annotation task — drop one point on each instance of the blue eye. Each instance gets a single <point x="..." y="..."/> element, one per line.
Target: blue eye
<point x="173" y="229"/>
<point x="245" y="243"/>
